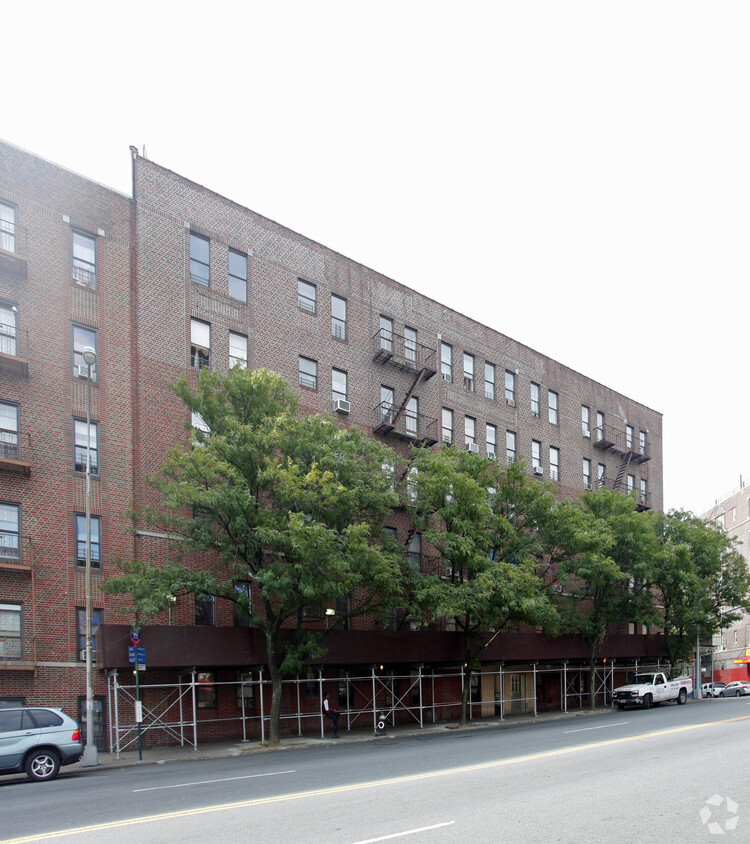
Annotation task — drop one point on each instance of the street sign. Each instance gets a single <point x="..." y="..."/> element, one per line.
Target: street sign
<point x="134" y="652"/>
<point x="135" y="637"/>
<point x="741" y="660"/>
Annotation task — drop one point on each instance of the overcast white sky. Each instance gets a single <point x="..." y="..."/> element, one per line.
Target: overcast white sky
<point x="574" y="174"/>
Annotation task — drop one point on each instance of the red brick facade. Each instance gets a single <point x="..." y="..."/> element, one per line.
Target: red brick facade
<point x="141" y="302"/>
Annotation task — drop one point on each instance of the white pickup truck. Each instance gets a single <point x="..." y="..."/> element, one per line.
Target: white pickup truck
<point x="652" y="689"/>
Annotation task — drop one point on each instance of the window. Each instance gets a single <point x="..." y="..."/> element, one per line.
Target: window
<point x="415" y="551"/>
<point x="586" y="473"/>
<point x="96" y="623"/>
<point x="237" y="350"/>
<point x="553" y="405"/>
<point x="200" y="259"/>
<point x="308" y="373"/>
<point x="536" y="457"/>
<point x="412" y="484"/>
<point x="535" y="405"/>
<point x="11" y="632"/>
<point x="338" y="317"/>
<point x="10" y="547"/>
<point x="9" y="431"/>
<point x="83" y="269"/>
<point x="490" y="435"/>
<point x="489" y="380"/>
<point x="601" y="476"/>
<point x="410" y="344"/>
<point x="631" y="483"/>
<point x="82" y="338"/>
<point x="237" y="271"/>
<point x="205" y="696"/>
<point x="585" y="420"/>
<point x="307" y="296"/>
<point x="468" y="372"/>
<point x="644" y="491"/>
<point x="447" y="425"/>
<point x="82" y="442"/>
<point x="386" y="334"/>
<point x="386" y="403"/>
<point x="200" y="343"/>
<point x="510" y="388"/>
<point x="411" y="416"/>
<point x="388" y="468"/>
<point x="96" y="548"/>
<point x="470" y="430"/>
<point x="554" y="463"/>
<point x="339" y="388"/>
<point x="510" y="446"/>
<point x="599" y="425"/>
<point x="205" y="610"/>
<point x="629" y="437"/>
<point x="243" y="605"/>
<point x="7" y="227"/>
<point x="642" y="443"/>
<point x="446" y="362"/>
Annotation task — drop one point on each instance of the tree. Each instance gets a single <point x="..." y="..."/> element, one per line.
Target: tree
<point x="702" y="580"/>
<point x="292" y="504"/>
<point x="607" y="581"/>
<point x="484" y="522"/>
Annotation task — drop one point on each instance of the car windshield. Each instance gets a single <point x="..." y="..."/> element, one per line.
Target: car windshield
<point x="641" y="679"/>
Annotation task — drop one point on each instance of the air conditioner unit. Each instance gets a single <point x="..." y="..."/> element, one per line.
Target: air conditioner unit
<point x="537" y="470"/>
<point x="556" y="587"/>
<point x="83" y="371"/>
<point x="472" y="447"/>
<point x="491" y="455"/>
<point x="341" y="406"/>
<point x="82" y="655"/>
<point x="510" y="402"/>
<point x="587" y="432"/>
<point x="446" y="376"/>
<point x="447" y="440"/>
<point x="587" y="486"/>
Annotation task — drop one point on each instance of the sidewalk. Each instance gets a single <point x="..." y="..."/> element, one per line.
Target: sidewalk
<point x="219" y="750"/>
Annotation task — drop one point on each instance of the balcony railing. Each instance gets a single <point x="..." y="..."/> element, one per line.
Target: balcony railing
<point x="607" y="437"/>
<point x="15" y="452"/>
<point x="410" y="426"/>
<point x="14" y="349"/>
<point x="15" y="551"/>
<point x="13" y="248"/>
<point x="403" y="353"/>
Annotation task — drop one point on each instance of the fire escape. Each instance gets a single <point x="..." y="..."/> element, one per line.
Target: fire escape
<point x="403" y="420"/>
<point x="624" y="445"/>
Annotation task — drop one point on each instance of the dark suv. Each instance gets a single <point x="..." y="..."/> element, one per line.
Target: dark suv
<point x="38" y="740"/>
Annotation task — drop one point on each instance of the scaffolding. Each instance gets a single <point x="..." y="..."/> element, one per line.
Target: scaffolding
<point x="385" y="698"/>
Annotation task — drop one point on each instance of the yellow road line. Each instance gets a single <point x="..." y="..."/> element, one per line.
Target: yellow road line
<point x="321" y="792"/>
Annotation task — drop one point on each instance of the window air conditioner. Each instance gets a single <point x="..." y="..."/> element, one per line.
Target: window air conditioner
<point x="472" y="447"/>
<point x="556" y="587"/>
<point x="83" y="371"/>
<point x="341" y="406"/>
<point x="82" y="655"/>
<point x="587" y="432"/>
<point x="446" y="376"/>
<point x="491" y="455"/>
<point x="537" y="470"/>
<point x="510" y="402"/>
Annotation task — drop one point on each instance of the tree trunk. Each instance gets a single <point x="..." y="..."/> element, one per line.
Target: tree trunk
<point x="274" y="721"/>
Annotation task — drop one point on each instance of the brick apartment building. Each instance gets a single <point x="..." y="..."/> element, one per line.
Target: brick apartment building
<point x="732" y="513"/>
<point x="178" y="277"/>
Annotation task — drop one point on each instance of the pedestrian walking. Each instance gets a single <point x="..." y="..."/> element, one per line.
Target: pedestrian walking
<point x="333" y="714"/>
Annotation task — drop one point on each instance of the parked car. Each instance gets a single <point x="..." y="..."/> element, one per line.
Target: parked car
<point x="37" y="740"/>
<point x="711" y="689"/>
<point x="735" y="689"/>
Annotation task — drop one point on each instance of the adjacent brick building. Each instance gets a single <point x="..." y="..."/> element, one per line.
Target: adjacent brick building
<point x="178" y="277"/>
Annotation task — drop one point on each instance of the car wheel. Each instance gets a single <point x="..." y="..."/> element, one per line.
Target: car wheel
<point x="721" y="694"/>
<point x="42" y="765"/>
<point x="647" y="701"/>
<point x="682" y="697"/>
<point x="737" y="693"/>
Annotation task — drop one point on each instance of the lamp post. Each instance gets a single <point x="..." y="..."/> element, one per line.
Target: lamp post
<point x="90" y="752"/>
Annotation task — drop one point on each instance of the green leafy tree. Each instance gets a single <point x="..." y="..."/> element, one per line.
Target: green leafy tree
<point x="702" y="580"/>
<point x="486" y="524"/>
<point x="607" y="581"/>
<point x="293" y="504"/>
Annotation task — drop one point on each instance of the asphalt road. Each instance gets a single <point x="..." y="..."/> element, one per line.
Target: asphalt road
<point x="633" y="776"/>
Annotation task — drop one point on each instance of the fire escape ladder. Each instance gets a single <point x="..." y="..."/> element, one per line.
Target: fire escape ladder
<point x="417" y="380"/>
<point x="623" y="468"/>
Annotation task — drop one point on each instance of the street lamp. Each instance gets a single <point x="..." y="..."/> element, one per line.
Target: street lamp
<point x="90" y="753"/>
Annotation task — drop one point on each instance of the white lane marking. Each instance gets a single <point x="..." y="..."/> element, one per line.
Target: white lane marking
<point x="407" y="832"/>
<point x="208" y="782"/>
<point x="602" y="727"/>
